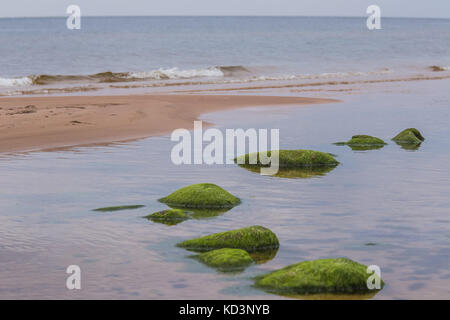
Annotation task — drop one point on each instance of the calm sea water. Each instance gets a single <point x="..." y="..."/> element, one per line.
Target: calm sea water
<point x="158" y="51"/>
<point x="394" y="199"/>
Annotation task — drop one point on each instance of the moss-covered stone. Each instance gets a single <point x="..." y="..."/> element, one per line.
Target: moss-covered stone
<point x="363" y="142"/>
<point x="169" y="217"/>
<point x="226" y="259"/>
<point x="255" y="238"/>
<point x="292" y="159"/>
<point x="410" y="136"/>
<point x="339" y="275"/>
<point x="203" y="196"/>
<point x="118" y="208"/>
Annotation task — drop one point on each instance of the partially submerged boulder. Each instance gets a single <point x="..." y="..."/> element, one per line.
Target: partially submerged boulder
<point x="119" y="208"/>
<point x="250" y="239"/>
<point x="203" y="195"/>
<point x="339" y="275"/>
<point x="291" y="159"/>
<point x="410" y="136"/>
<point x="226" y="259"/>
<point x="169" y="217"/>
<point x="363" y="142"/>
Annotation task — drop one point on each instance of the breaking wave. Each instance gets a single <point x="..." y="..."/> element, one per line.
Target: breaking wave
<point x="110" y="77"/>
<point x="13" y="82"/>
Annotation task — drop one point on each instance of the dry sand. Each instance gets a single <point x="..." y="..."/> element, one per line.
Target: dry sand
<point x="38" y="123"/>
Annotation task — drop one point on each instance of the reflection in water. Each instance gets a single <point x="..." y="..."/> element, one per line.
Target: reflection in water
<point x="207" y="213"/>
<point x="365" y="148"/>
<point x="335" y="296"/>
<point x="294" y="173"/>
<point x="261" y="257"/>
<point x="190" y="214"/>
<point x="226" y="270"/>
<point x="409" y="146"/>
<point x="360" y="147"/>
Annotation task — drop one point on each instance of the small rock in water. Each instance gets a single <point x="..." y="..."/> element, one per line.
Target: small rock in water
<point x="362" y="142"/>
<point x="338" y="276"/>
<point x="168" y="217"/>
<point x="250" y="239"/>
<point x="202" y="196"/>
<point x="410" y="136"/>
<point x="118" y="208"/>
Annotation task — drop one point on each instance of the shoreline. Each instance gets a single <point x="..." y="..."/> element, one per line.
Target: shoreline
<point x="43" y="123"/>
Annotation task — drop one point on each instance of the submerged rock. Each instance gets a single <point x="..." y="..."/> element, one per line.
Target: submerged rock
<point x="203" y="195"/>
<point x="250" y="239"/>
<point x="118" y="208"/>
<point x="291" y="159"/>
<point x="339" y="276"/>
<point x="410" y="136"/>
<point x="169" y="217"/>
<point x="363" y="142"/>
<point x="226" y="259"/>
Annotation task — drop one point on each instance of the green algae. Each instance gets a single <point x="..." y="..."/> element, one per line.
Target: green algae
<point x="202" y="196"/>
<point x="250" y="239"/>
<point x="290" y="159"/>
<point x="409" y="139"/>
<point x="226" y="259"/>
<point x="362" y="142"/>
<point x="169" y="217"/>
<point x="118" y="208"/>
<point x="340" y="276"/>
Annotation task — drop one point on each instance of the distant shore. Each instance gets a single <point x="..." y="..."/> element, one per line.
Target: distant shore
<point x="40" y="123"/>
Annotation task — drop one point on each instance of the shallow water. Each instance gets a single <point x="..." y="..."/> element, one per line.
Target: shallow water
<point x="391" y="197"/>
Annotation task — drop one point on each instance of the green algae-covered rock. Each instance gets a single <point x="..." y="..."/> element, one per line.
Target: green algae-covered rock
<point x="118" y="208"/>
<point x="255" y="238"/>
<point x="363" y="142"/>
<point x="409" y="136"/>
<point x="339" y="275"/>
<point x="226" y="259"/>
<point x="169" y="217"/>
<point x="203" y="195"/>
<point x="292" y="159"/>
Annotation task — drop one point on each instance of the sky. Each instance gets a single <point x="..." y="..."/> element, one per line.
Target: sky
<point x="389" y="8"/>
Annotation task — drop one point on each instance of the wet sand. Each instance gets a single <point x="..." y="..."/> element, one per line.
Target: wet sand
<point x="39" y="123"/>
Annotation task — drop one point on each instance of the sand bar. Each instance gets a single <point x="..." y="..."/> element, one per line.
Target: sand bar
<point x="39" y="123"/>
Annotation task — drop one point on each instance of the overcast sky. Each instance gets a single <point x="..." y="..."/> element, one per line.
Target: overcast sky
<point x="389" y="8"/>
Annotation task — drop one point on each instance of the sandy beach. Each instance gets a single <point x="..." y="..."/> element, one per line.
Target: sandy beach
<point x="38" y="123"/>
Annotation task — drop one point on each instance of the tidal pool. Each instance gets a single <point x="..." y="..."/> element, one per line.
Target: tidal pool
<point x="394" y="199"/>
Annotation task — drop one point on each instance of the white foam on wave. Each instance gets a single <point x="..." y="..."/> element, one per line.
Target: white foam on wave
<point x="13" y="82"/>
<point x="175" y="73"/>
